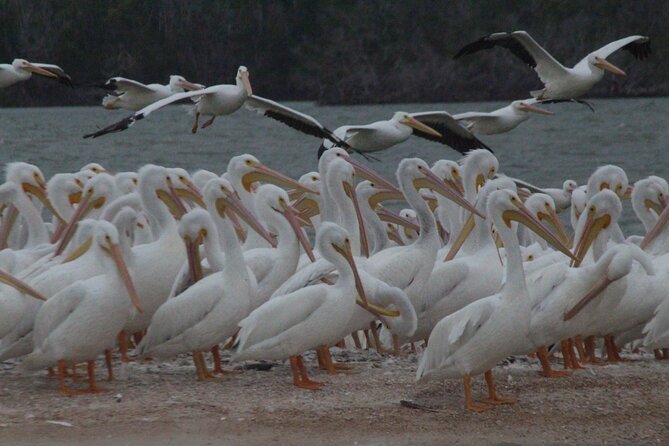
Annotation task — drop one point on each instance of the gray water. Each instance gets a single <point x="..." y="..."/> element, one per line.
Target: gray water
<point x="545" y="150"/>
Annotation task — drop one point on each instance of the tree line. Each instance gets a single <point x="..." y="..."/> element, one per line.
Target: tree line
<point x="332" y="52"/>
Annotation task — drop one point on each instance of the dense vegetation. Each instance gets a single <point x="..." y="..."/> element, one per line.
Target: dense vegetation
<point x="328" y="51"/>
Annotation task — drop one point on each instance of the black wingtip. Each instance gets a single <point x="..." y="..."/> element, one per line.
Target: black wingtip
<point x="321" y="150"/>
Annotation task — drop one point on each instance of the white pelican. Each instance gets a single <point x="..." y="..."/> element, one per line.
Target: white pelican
<point x="21" y="70"/>
<point x="132" y="95"/>
<point x="559" y="81"/>
<point x="310" y="318"/>
<point x="561" y="196"/>
<point x="82" y="321"/>
<point x="472" y="340"/>
<point x="501" y="120"/>
<point x="206" y="313"/>
<point x="213" y="101"/>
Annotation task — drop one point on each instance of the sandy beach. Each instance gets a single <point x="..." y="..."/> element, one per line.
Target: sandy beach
<point x="155" y="403"/>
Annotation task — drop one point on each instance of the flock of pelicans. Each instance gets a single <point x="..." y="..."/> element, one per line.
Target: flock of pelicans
<point x="561" y="84"/>
<point x="479" y="266"/>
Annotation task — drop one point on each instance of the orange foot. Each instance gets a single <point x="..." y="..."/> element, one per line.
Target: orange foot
<point x="477" y="407"/>
<point x="555" y="373"/>
<point x="498" y="401"/>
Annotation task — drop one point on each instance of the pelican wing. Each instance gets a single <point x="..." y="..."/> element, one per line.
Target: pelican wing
<point x="56" y="310"/>
<point x="521" y="44"/>
<point x="453" y="134"/>
<point x="266" y="323"/>
<point x="639" y="46"/>
<point x="292" y="118"/>
<point x="122" y="85"/>
<point x="469" y="118"/>
<point x="126" y="122"/>
<point x="469" y="320"/>
<point x="63" y="77"/>
<point x="307" y="276"/>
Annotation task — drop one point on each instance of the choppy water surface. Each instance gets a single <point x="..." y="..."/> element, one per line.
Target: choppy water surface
<point x="545" y="150"/>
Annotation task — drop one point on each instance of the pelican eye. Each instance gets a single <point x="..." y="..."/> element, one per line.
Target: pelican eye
<point x="107" y="238"/>
<point x="249" y="163"/>
<point x="530" y="257"/>
<point x="182" y="178"/>
<point x="134" y="181"/>
<point x="314" y="178"/>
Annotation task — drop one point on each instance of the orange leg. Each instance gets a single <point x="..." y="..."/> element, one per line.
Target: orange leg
<point x="92" y="387"/>
<point x="396" y="346"/>
<point x="492" y="394"/>
<point x="590" y="351"/>
<point x="75" y="377"/>
<point x="108" y="361"/>
<point x="572" y="354"/>
<point x="356" y="339"/>
<point x="123" y="346"/>
<point x="368" y="340"/>
<point x="218" y="367"/>
<point x="137" y="337"/>
<point x="305" y="382"/>
<point x="375" y="335"/>
<point x="197" y="119"/>
<point x="469" y="403"/>
<point x="61" y="381"/>
<point x="231" y="342"/>
<point x="325" y="362"/>
<point x="547" y="371"/>
<point x="611" y="349"/>
<point x="201" y="368"/>
<point x="578" y="342"/>
<point x="208" y="123"/>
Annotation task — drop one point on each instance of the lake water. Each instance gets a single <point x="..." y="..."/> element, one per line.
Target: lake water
<point x="545" y="150"/>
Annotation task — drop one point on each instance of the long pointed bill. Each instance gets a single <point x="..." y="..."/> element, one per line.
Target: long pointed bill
<point x="533" y="109"/>
<point x="600" y="286"/>
<point x="264" y="173"/>
<point x="291" y="215"/>
<point x="307" y="207"/>
<point x="391" y="217"/>
<point x="194" y="261"/>
<point x="172" y="201"/>
<point x="553" y="220"/>
<point x="658" y="207"/>
<point x="189" y="86"/>
<point x="246" y="215"/>
<point x="115" y="253"/>
<point x="385" y="195"/>
<point x="79" y="250"/>
<point x="364" y="245"/>
<point x="525" y="217"/>
<point x="467" y="229"/>
<point x="8" y="222"/>
<point x="83" y="208"/>
<point x="593" y="226"/>
<point x="191" y="192"/>
<point x="40" y="194"/>
<point x="606" y="65"/>
<point x="39" y="70"/>
<point x="366" y="173"/>
<point x="657" y="228"/>
<point x="20" y="285"/>
<point x="431" y="181"/>
<point x="416" y="124"/>
<point x="246" y="82"/>
<point x="361" y="299"/>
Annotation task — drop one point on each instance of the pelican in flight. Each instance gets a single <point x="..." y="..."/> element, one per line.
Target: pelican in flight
<point x="559" y="81"/>
<point x="133" y="95"/>
<point x="501" y="120"/>
<point x="217" y="100"/>
<point x="438" y="126"/>
<point x="22" y="70"/>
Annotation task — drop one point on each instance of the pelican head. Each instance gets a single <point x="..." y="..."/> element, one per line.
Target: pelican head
<point x="450" y="172"/>
<point x="527" y="106"/>
<point x="31" y="180"/>
<point x="418" y="172"/>
<point x="608" y="177"/>
<point x="274" y="199"/>
<point x="106" y="236"/>
<point x="24" y="65"/>
<point x="604" y="65"/>
<point x="250" y="170"/>
<point x="243" y="79"/>
<point x="183" y="186"/>
<point x="480" y="165"/>
<point x="603" y="209"/>
<point x="569" y="186"/>
<point x="179" y="83"/>
<point x="542" y="207"/>
<point x="406" y="119"/>
<point x="221" y="197"/>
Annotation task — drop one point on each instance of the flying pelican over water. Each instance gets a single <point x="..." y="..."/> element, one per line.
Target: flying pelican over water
<point x="217" y="100"/>
<point x="559" y="81"/>
<point x="134" y="95"/>
<point x="22" y="70"/>
<point x="501" y="120"/>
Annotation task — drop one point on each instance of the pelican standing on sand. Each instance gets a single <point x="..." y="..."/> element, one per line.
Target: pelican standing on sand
<point x="472" y="340"/>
